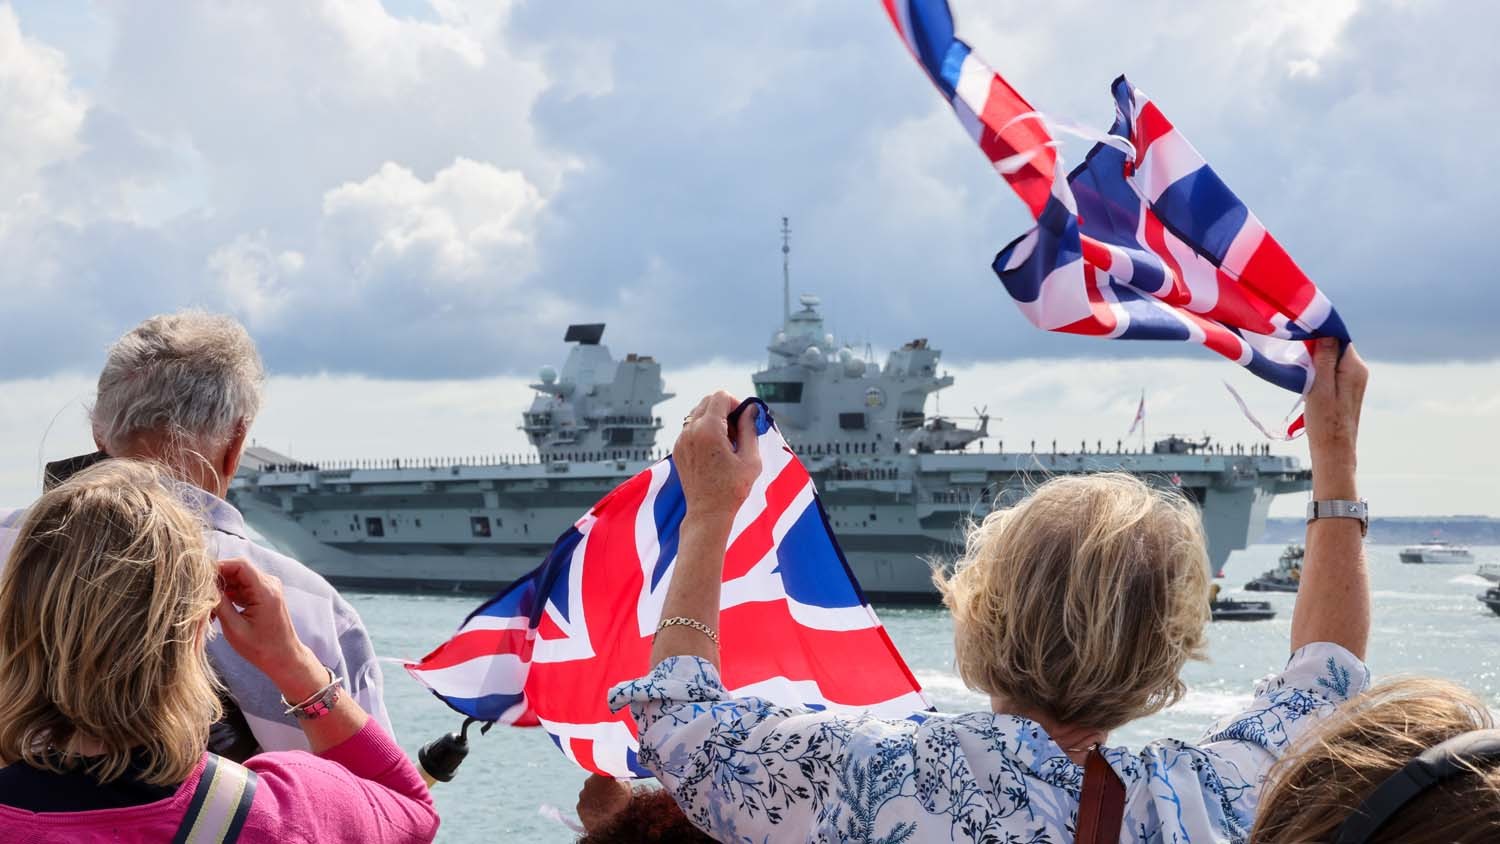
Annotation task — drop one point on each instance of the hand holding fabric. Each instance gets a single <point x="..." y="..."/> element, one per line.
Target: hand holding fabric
<point x="716" y="472"/>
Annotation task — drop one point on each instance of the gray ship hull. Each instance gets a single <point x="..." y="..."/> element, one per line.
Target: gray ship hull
<point x="478" y="528"/>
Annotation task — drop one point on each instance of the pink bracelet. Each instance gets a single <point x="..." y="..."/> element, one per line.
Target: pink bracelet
<point x="318" y="704"/>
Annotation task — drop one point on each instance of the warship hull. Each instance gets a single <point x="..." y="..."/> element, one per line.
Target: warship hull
<point x="477" y="528"/>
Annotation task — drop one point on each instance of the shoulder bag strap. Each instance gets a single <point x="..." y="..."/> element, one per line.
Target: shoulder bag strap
<point x="220" y="804"/>
<point x="1101" y="808"/>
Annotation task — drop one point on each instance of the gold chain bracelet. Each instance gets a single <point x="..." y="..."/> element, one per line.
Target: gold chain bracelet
<point x="682" y="621"/>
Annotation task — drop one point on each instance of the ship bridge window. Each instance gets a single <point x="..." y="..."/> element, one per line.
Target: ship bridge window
<point x="479" y="526"/>
<point x="621" y="436"/>
<point x="852" y="421"/>
<point x="374" y="526"/>
<point x="779" y="392"/>
<point x="910" y="419"/>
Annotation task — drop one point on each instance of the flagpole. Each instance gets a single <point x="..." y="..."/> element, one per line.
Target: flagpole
<point x="1143" y="420"/>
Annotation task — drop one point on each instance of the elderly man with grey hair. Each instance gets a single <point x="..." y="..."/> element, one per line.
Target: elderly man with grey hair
<point x="182" y="390"/>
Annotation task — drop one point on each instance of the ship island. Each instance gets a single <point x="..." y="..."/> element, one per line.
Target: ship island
<point x="898" y="485"/>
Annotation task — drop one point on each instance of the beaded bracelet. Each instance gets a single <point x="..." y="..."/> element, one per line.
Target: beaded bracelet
<point x="319" y="703"/>
<point x="694" y="623"/>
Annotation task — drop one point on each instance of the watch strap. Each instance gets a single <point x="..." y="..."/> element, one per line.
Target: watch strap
<point x="1336" y="508"/>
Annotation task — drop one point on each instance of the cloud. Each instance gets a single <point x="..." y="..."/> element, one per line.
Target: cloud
<point x="437" y="192"/>
<point x="470" y="227"/>
<point x="40" y="115"/>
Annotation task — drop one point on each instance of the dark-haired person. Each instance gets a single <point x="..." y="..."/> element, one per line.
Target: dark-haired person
<point x="1074" y="612"/>
<point x="1413" y="761"/>
<point x="615" y="812"/>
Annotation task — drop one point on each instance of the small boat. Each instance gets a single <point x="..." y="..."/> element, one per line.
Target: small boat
<point x="1436" y="551"/>
<point x="1491" y="599"/>
<point x="1287" y="575"/>
<point x="1230" y="609"/>
<point x="1489" y="571"/>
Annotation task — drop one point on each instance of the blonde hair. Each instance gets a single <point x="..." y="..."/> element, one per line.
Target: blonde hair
<point x="1311" y="792"/>
<point x="1083" y="601"/>
<point x="104" y="605"/>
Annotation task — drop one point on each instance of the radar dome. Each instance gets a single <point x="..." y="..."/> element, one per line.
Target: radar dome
<point x="854" y="367"/>
<point x="828" y="340"/>
<point x="548" y="375"/>
<point x="845" y="354"/>
<point x="780" y="337"/>
<point x="812" y="355"/>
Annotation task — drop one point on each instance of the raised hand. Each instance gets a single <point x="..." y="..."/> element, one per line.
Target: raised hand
<point x="717" y="464"/>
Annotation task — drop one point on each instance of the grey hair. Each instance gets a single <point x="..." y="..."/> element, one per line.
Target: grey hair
<point x="191" y="376"/>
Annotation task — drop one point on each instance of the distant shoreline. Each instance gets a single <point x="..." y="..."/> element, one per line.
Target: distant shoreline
<point x="1401" y="530"/>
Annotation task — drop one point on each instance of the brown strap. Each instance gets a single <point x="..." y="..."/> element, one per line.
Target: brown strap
<point x="1101" y="808"/>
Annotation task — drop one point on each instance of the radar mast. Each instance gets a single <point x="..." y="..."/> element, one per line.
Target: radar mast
<point x="786" y="269"/>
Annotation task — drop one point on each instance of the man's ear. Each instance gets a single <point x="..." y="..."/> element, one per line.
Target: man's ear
<point x="230" y="463"/>
<point x="98" y="441"/>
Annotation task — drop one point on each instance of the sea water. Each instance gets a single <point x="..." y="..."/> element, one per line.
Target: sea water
<point x="1426" y="621"/>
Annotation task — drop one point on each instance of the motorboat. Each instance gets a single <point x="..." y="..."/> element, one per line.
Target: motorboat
<point x="1436" y="551"/>
<point x="1287" y="575"/>
<point x="1491" y="599"/>
<point x="1231" y="609"/>
<point x="1489" y="571"/>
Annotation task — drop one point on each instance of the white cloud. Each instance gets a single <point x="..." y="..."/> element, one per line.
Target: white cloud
<point x="472" y="225"/>
<point x="253" y="278"/>
<point x="40" y="115"/>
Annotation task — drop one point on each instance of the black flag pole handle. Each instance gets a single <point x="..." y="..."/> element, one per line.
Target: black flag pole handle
<point x="438" y="760"/>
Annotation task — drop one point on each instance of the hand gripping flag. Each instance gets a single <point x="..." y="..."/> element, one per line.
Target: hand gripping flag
<point x="1143" y="241"/>
<point x="793" y="625"/>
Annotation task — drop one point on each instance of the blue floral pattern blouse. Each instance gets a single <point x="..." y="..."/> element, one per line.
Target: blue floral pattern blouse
<point x="747" y="770"/>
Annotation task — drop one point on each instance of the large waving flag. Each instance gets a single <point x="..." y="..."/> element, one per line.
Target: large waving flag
<point x="1143" y="241"/>
<point x="794" y="627"/>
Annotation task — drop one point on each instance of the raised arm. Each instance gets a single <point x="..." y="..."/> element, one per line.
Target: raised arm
<point x="1333" y="601"/>
<point x="717" y="464"/>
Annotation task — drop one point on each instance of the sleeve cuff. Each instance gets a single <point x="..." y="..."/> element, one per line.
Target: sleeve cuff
<point x="367" y="753"/>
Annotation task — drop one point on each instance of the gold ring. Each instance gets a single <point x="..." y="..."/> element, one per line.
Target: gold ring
<point x="688" y="420"/>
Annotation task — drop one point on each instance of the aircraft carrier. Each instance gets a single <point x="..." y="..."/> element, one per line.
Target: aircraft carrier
<point x="898" y="484"/>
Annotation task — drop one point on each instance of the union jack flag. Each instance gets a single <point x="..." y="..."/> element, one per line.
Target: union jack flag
<point x="794" y="627"/>
<point x="1143" y="241"/>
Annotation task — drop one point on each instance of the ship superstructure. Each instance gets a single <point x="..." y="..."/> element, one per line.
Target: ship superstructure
<point x="899" y="485"/>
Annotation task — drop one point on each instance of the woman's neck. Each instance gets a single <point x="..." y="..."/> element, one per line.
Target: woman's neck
<point x="1074" y="739"/>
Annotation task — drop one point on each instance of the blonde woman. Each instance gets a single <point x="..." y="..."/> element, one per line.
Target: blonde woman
<point x="106" y="694"/>
<point x="1074" y="612"/>
<point x="1429" y="747"/>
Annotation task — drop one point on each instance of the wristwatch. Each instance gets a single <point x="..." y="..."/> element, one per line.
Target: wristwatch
<point x="1340" y="509"/>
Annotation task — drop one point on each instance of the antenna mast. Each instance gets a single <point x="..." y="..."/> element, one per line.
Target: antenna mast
<point x="786" y="269"/>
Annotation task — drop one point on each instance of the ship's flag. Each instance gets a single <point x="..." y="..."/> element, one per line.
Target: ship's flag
<point x="1143" y="241"/>
<point x="1140" y="415"/>
<point x="794" y="627"/>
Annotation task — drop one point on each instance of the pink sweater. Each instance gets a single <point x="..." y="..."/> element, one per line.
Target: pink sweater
<point x="364" y="790"/>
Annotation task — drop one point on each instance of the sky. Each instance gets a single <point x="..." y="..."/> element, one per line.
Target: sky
<point x="407" y="202"/>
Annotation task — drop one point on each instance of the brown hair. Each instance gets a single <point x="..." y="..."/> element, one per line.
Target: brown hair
<point x="1311" y="792"/>
<point x="104" y="605"/>
<point x="1083" y="601"/>
<point x="652" y="815"/>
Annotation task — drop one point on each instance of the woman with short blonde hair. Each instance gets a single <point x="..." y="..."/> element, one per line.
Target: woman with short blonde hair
<point x="106" y="695"/>
<point x="1074" y="611"/>
<point x="1313" y="793"/>
<point x="1083" y="601"/>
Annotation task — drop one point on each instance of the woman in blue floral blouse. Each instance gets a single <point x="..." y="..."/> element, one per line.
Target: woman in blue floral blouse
<point x="1075" y="611"/>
